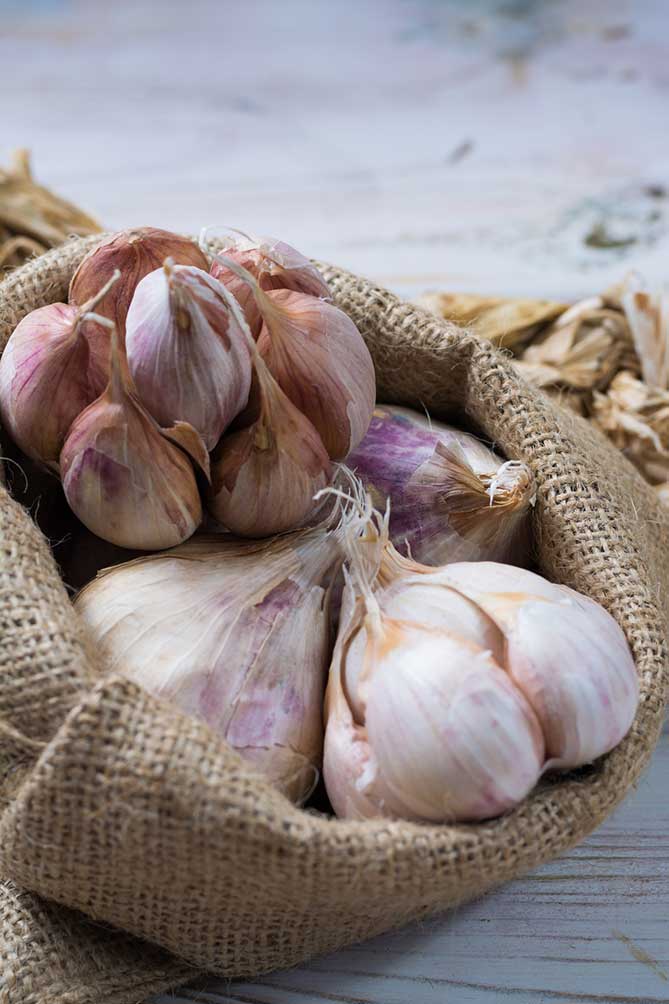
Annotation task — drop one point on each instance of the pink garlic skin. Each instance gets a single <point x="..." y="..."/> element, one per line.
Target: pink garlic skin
<point x="275" y="265"/>
<point x="135" y="252"/>
<point x="187" y="355"/>
<point x="124" y="479"/>
<point x="320" y="360"/>
<point x="264" y="477"/>
<point x="45" y="380"/>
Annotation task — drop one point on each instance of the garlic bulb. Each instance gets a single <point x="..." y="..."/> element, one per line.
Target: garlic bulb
<point x="234" y="633"/>
<point x="47" y="376"/>
<point x="318" y="358"/>
<point x="452" y="689"/>
<point x="187" y="356"/>
<point x="265" y="476"/>
<point x="122" y="477"/>
<point x="452" y="498"/>
<point x="135" y="253"/>
<point x="275" y="265"/>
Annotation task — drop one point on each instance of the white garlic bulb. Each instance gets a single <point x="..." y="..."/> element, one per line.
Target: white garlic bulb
<point x="452" y="689"/>
<point x="234" y="633"/>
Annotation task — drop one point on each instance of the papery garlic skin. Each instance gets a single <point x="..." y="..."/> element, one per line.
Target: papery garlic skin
<point x="452" y="498"/>
<point x="265" y="476"/>
<point x="124" y="480"/>
<point x="187" y="356"/>
<point x="275" y="265"/>
<point x="320" y="360"/>
<point x="135" y="252"/>
<point x="44" y="380"/>
<point x="234" y="633"/>
<point x="448" y="735"/>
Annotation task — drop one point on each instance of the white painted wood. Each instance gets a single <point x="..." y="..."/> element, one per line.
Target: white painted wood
<point x="424" y="143"/>
<point x="427" y="143"/>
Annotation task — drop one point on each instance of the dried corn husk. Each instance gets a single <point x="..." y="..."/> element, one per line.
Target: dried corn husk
<point x="581" y="350"/>
<point x="636" y="418"/>
<point x="505" y="322"/>
<point x="33" y="219"/>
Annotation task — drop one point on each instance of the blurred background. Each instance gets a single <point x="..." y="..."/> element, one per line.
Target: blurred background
<point x="502" y="146"/>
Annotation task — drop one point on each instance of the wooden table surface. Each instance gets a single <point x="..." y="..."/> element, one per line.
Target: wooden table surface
<point x="502" y="146"/>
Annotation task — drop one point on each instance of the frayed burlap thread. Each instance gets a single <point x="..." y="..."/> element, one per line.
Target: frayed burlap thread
<point x="140" y="818"/>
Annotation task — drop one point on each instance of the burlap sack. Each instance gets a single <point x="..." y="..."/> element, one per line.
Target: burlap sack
<point x="118" y="807"/>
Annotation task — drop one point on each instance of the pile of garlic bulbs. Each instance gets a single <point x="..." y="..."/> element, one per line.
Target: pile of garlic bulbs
<point x="155" y="389"/>
<point x="179" y="379"/>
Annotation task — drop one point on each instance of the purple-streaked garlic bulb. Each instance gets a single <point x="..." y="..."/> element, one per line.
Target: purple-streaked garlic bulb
<point x="452" y="498"/>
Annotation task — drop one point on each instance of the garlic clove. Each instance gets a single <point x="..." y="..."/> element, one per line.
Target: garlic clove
<point x="240" y="290"/>
<point x="274" y="264"/>
<point x="450" y="737"/>
<point x="123" y="479"/>
<point x="264" y="477"/>
<point x="47" y="376"/>
<point x="44" y="380"/>
<point x="135" y="253"/>
<point x="350" y="770"/>
<point x="319" y="358"/>
<point x="187" y="356"/>
<point x="565" y="652"/>
<point x="273" y="721"/>
<point x="435" y="605"/>
<point x="573" y="663"/>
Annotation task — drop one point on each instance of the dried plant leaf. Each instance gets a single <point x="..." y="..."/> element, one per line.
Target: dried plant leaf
<point x="506" y="322"/>
<point x="581" y="350"/>
<point x="647" y="312"/>
<point x="636" y="418"/>
<point x="33" y="219"/>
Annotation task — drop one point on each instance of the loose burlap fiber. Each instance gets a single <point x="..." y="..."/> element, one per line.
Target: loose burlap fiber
<point x="119" y="808"/>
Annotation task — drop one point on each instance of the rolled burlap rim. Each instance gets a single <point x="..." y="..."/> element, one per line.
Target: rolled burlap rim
<point x="120" y="808"/>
